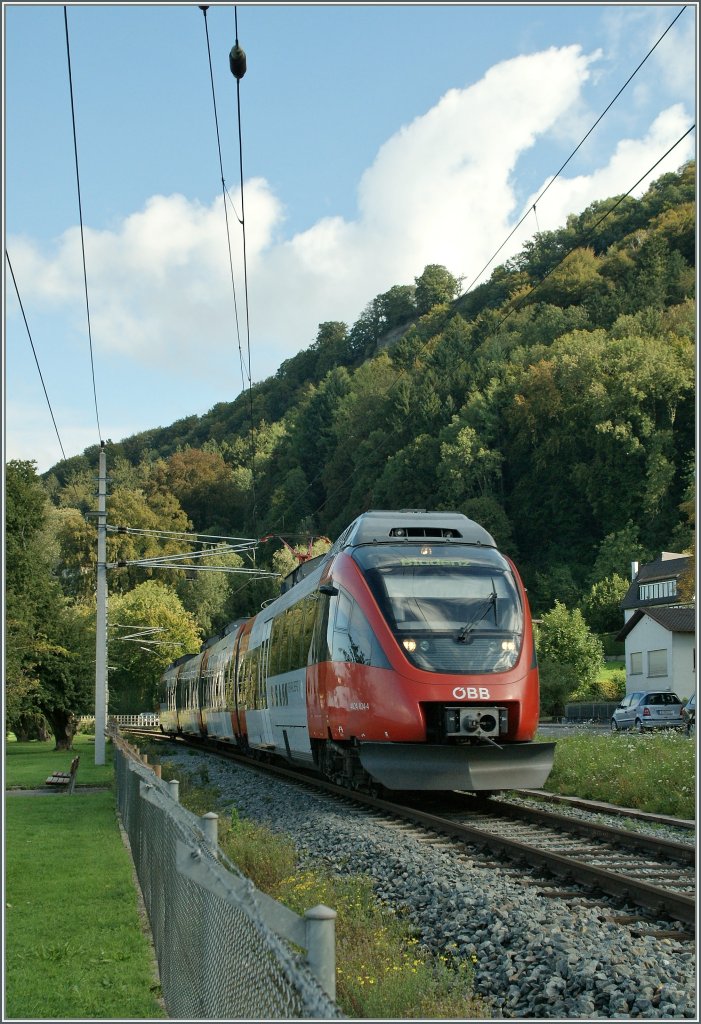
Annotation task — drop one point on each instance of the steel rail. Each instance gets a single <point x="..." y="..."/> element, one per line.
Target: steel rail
<point x="657" y="845"/>
<point x="678" y="905"/>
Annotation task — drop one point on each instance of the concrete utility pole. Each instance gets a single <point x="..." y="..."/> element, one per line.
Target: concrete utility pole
<point x="101" y="620"/>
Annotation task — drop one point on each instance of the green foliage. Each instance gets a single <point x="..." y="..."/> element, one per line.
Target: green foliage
<point x="616" y="552"/>
<point x="133" y="685"/>
<point x="610" y="686"/>
<point x="602" y="605"/>
<point x="558" y="681"/>
<point x="563" y="638"/>
<point x="49" y="642"/>
<point x="435" y="286"/>
<point x="554" y="403"/>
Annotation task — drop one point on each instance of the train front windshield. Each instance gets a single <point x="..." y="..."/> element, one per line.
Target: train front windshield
<point x="451" y="607"/>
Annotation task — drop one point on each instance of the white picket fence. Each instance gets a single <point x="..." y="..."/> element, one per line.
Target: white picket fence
<point x="146" y="719"/>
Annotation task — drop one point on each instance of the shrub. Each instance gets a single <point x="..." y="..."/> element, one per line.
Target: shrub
<point x="556" y="684"/>
<point x="564" y="638"/>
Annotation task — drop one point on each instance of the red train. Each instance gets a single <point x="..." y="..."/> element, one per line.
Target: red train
<point x="402" y="657"/>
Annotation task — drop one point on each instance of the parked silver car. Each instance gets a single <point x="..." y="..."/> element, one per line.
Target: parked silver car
<point x="649" y="709"/>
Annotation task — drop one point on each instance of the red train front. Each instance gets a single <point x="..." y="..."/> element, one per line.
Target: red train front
<point x="422" y="667"/>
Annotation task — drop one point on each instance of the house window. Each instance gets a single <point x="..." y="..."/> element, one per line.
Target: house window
<point x="654" y="591"/>
<point x="636" y="663"/>
<point x="657" y="663"/>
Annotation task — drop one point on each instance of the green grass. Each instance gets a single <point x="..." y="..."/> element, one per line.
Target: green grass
<point x="611" y="667"/>
<point x="27" y="765"/>
<point x="74" y="942"/>
<point x="655" y="773"/>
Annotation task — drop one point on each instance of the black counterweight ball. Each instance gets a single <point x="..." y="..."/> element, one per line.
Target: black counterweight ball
<point x="237" y="62"/>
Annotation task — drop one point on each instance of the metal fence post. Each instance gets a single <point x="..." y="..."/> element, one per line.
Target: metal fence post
<point x="211" y="832"/>
<point x="174" y="787"/>
<point x="320" y="923"/>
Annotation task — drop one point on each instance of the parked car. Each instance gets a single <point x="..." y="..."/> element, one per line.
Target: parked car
<point x="649" y="709"/>
<point x="689" y="714"/>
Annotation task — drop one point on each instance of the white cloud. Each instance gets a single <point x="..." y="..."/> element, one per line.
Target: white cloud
<point x="439" y="191"/>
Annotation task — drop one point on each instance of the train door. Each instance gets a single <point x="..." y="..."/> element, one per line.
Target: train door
<point x="260" y="733"/>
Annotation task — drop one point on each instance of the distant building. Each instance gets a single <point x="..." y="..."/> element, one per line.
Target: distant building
<point x="659" y="631"/>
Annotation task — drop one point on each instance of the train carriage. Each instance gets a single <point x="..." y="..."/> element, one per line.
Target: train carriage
<point x="216" y="687"/>
<point x="403" y="657"/>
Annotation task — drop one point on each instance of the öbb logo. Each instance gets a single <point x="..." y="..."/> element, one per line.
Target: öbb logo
<point x="471" y="693"/>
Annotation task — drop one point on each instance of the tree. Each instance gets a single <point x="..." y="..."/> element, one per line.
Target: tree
<point x="616" y="553"/>
<point x="133" y="686"/>
<point x="602" y="605"/>
<point x="564" y="639"/>
<point x="435" y="286"/>
<point x="65" y="669"/>
<point x="50" y="643"/>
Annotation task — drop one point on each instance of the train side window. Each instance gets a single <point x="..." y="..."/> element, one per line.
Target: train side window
<point x="276" y="645"/>
<point x="296" y="619"/>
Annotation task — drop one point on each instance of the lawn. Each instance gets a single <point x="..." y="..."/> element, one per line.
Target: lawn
<point x="655" y="772"/>
<point x="27" y="765"/>
<point x="74" y="942"/>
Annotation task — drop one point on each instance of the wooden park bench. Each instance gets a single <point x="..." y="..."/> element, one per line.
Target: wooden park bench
<point x="66" y="779"/>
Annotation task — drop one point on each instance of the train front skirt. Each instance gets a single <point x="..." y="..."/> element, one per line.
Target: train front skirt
<point x="469" y="767"/>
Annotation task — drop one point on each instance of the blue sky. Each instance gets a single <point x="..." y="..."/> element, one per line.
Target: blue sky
<point x="376" y="139"/>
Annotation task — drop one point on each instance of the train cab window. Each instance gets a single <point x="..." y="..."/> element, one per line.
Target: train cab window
<point x="452" y="608"/>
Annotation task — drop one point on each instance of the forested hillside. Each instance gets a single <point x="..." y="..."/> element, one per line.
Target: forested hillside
<point x="554" y="404"/>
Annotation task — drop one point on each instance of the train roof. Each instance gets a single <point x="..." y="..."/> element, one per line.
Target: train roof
<point x="387" y="527"/>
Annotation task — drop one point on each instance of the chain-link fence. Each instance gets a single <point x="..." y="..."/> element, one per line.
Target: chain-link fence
<point x="217" y="938"/>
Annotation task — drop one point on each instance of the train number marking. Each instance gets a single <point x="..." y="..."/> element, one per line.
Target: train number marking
<point x="471" y="693"/>
<point x="359" y="706"/>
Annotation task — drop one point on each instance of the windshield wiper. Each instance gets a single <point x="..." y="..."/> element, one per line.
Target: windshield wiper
<point x="483" y="609"/>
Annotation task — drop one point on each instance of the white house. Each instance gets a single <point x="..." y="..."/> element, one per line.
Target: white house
<point x="659" y="631"/>
<point x="660" y="644"/>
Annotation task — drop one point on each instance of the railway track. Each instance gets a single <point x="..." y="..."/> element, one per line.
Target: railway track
<point x="588" y="857"/>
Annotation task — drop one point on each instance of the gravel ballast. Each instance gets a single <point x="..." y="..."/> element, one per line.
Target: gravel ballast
<point x="535" y="956"/>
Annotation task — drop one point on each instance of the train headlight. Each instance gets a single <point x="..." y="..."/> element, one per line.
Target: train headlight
<point x="409" y="645"/>
<point x="508" y="645"/>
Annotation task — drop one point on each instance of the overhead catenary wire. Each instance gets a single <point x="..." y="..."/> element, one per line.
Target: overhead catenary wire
<point x="246" y="370"/>
<point x="237" y="65"/>
<point x="522" y="298"/>
<point x="36" y="358"/>
<point x="244" y="374"/>
<point x="82" y="233"/>
<point x="574" y="151"/>
<point x="194" y="538"/>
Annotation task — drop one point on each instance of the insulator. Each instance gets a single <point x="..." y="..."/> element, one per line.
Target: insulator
<point x="237" y="62"/>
